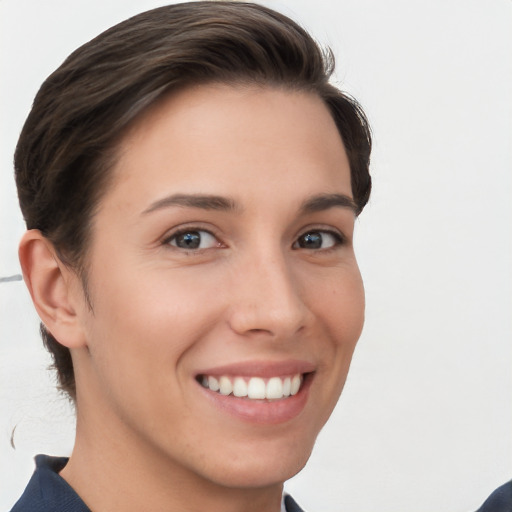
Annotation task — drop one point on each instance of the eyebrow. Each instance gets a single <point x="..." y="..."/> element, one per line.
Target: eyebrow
<point x="204" y="202"/>
<point x="323" y="202"/>
<point x="314" y="204"/>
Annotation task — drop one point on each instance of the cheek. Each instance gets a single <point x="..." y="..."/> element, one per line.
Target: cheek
<point x="139" y="339"/>
<point x="150" y="322"/>
<point x="341" y="305"/>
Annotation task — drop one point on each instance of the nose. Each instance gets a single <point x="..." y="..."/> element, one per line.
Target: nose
<point x="267" y="299"/>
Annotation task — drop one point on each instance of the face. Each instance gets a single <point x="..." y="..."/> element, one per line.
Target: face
<point x="226" y="296"/>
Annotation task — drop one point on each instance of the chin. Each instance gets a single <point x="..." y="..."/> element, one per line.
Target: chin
<point x="260" y="469"/>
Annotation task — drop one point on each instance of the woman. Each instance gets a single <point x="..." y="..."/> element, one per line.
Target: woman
<point x="190" y="181"/>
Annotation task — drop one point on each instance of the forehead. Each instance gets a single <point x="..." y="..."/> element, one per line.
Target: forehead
<point x="206" y="138"/>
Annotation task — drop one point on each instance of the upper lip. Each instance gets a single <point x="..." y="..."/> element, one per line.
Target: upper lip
<point x="264" y="369"/>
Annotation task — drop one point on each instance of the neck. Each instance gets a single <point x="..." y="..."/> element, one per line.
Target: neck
<point x="110" y="470"/>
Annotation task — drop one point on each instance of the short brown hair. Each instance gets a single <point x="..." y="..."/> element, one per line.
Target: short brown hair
<point x="67" y="145"/>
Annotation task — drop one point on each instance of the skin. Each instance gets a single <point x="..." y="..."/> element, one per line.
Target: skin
<point x="148" y="437"/>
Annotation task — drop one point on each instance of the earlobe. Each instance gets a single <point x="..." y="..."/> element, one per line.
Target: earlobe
<point x="49" y="282"/>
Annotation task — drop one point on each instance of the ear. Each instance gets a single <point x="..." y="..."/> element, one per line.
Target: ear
<point x="54" y="288"/>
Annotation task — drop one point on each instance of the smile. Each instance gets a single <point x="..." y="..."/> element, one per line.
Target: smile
<point x="254" y="388"/>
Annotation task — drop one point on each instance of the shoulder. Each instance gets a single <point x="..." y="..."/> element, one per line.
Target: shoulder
<point x="290" y="505"/>
<point x="47" y="491"/>
<point x="499" y="501"/>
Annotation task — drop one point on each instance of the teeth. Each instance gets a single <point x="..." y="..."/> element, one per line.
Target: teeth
<point x="274" y="388"/>
<point x="255" y="388"/>
<point x="287" y="386"/>
<point x="226" y="387"/>
<point x="213" y="384"/>
<point x="295" y="385"/>
<point x="239" y="387"/>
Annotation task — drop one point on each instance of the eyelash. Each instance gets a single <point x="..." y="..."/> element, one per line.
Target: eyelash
<point x="338" y="239"/>
<point x="193" y="229"/>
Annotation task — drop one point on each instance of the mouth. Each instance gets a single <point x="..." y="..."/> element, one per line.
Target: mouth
<point x="254" y="387"/>
<point x="259" y="392"/>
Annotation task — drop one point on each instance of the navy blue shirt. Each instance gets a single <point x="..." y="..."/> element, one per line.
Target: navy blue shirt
<point x="47" y="491"/>
<point x="499" y="501"/>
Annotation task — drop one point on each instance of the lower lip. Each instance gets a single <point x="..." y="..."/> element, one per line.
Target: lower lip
<point x="263" y="412"/>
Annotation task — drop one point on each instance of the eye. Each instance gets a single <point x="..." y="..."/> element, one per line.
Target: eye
<point x="192" y="239"/>
<point x="318" y="240"/>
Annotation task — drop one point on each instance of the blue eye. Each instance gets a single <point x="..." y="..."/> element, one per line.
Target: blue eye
<point x="193" y="239"/>
<point x="317" y="240"/>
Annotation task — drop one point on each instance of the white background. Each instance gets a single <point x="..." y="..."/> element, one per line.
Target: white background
<point x="425" y="421"/>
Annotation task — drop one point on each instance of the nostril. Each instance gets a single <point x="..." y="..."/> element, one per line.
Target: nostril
<point x="268" y="304"/>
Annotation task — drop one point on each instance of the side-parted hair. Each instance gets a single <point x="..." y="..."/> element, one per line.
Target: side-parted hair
<point x="68" y="144"/>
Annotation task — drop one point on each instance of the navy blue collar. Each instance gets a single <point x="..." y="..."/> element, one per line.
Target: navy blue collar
<point x="48" y="491"/>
